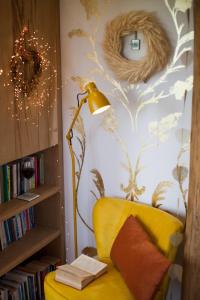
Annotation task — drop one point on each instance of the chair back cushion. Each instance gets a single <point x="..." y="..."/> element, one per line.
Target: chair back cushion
<point x="109" y="214"/>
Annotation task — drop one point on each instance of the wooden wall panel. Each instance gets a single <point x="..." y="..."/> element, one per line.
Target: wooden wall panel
<point x="22" y="137"/>
<point x="191" y="278"/>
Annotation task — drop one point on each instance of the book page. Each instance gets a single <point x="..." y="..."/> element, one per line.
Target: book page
<point x="81" y="274"/>
<point x="68" y="279"/>
<point x="89" y="264"/>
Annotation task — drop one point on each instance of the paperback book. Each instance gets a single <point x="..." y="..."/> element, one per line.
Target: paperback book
<point x="80" y="272"/>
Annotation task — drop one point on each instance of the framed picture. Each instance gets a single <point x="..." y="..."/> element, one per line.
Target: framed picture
<point x="135" y="44"/>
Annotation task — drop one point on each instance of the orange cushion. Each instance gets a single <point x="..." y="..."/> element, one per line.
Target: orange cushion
<point x="139" y="261"/>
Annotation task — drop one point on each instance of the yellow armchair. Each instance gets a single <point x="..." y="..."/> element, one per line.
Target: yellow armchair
<point x="108" y="216"/>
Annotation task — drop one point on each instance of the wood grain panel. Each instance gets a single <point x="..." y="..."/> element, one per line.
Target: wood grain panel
<point x="20" y="250"/>
<point x="191" y="278"/>
<point x="21" y="138"/>
<point x="15" y="206"/>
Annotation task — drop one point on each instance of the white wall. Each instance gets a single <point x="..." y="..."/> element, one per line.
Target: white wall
<point x="157" y="135"/>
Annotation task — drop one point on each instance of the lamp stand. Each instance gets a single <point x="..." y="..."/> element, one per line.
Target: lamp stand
<point x="69" y="138"/>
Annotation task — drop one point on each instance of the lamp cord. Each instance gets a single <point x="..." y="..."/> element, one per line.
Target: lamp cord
<point x="78" y="95"/>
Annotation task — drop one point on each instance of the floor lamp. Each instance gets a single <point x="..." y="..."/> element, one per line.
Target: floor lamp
<point x="97" y="103"/>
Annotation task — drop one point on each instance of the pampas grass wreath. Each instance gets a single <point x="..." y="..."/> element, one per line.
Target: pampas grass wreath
<point x="158" y="47"/>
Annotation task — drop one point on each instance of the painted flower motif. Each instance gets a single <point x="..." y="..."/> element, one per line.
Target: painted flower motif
<point x="109" y="121"/>
<point x="91" y="7"/>
<point x="161" y="129"/>
<point x="183" y="5"/>
<point x="80" y="81"/>
<point x="77" y="32"/>
<point x="180" y="87"/>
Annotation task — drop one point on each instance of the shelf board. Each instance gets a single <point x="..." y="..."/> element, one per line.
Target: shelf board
<point x="20" y="250"/>
<point x="15" y="206"/>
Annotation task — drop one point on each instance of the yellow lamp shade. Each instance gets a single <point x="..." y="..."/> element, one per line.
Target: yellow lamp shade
<point x="96" y="100"/>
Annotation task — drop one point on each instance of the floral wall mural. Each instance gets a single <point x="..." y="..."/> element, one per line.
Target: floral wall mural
<point x="139" y="149"/>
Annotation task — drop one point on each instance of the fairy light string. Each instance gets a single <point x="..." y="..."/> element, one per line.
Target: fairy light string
<point x="32" y="77"/>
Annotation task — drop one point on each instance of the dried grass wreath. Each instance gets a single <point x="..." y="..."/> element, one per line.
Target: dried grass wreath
<point x="158" y="47"/>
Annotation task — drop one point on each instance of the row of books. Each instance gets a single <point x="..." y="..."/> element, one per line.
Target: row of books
<point x="16" y="227"/>
<point x="26" y="282"/>
<point x="12" y="181"/>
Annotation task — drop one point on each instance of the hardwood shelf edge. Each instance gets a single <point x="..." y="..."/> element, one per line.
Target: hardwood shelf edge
<point x="26" y="244"/>
<point x="15" y="206"/>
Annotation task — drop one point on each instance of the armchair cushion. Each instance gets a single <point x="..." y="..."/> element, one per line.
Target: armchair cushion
<point x="140" y="263"/>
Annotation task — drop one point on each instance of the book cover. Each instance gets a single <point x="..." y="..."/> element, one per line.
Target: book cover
<point x="81" y="272"/>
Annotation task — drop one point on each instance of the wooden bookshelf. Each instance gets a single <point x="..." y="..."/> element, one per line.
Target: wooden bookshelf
<point x="21" y="138"/>
<point x="15" y="206"/>
<point x="20" y="250"/>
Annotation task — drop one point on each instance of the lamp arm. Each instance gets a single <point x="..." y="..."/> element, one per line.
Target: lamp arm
<point x="83" y="101"/>
<point x="69" y="138"/>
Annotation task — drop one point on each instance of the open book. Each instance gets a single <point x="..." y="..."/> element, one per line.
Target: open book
<point x="82" y="271"/>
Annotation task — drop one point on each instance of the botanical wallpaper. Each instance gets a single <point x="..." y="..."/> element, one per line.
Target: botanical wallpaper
<point x="139" y="149"/>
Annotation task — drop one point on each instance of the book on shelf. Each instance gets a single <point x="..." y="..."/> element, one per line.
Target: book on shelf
<point x="26" y="281"/>
<point x="16" y="227"/>
<point x="12" y="181"/>
<point x="28" y="196"/>
<point x="80" y="272"/>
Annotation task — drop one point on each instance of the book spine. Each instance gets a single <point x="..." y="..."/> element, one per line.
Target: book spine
<point x="1" y="185"/>
<point x="36" y="171"/>
<point x="31" y="213"/>
<point x="18" y="179"/>
<point x="5" y="183"/>
<point x="3" y="236"/>
<point x="22" y="223"/>
<point x="14" y="180"/>
<point x="27" y="220"/>
<point x="38" y="168"/>
<point x="11" y="230"/>
<point x="41" y="168"/>
<point x="21" y="179"/>
<point x="19" y="225"/>
<point x="7" y="232"/>
<point x="16" y="228"/>
<point x="9" y="181"/>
